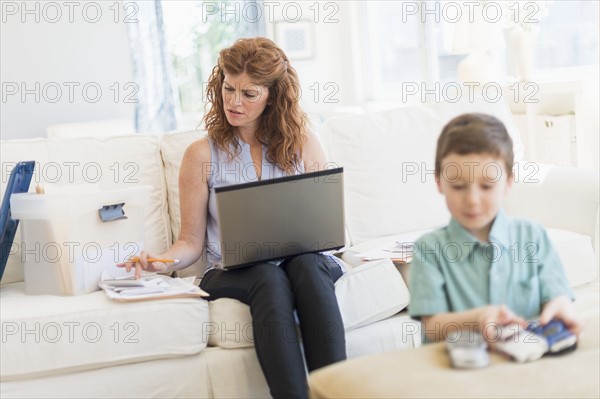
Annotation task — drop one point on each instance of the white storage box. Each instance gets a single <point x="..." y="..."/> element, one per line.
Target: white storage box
<point x="66" y="245"/>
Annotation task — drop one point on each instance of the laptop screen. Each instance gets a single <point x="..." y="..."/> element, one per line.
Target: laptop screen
<point x="279" y="218"/>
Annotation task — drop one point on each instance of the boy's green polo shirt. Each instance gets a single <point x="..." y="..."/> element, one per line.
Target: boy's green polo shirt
<point x="452" y="271"/>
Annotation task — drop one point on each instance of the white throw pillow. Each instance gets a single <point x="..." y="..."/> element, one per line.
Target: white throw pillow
<point x="388" y="160"/>
<point x="371" y="292"/>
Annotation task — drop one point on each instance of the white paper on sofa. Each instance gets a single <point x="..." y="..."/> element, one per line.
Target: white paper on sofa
<point x="398" y="251"/>
<point x="150" y="286"/>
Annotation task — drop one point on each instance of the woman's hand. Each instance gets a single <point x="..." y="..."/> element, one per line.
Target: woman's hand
<point x="561" y="308"/>
<point x="141" y="263"/>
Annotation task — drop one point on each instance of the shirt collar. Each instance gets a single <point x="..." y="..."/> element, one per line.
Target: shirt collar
<point x="459" y="233"/>
<point x="499" y="234"/>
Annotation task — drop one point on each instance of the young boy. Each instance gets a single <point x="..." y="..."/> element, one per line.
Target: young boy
<point x="484" y="269"/>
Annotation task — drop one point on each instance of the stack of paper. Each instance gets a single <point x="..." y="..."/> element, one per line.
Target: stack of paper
<point x="399" y="252"/>
<point x="149" y="286"/>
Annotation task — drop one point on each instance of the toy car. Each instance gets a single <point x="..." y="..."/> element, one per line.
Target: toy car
<point x="467" y="350"/>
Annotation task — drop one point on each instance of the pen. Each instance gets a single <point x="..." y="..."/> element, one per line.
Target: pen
<point x="137" y="259"/>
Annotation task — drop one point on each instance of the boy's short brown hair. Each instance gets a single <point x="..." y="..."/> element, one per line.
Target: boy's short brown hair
<point x="474" y="133"/>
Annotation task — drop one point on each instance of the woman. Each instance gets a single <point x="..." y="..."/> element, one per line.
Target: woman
<point x="256" y="130"/>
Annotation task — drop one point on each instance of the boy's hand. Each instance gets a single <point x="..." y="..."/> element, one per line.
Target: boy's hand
<point x="493" y="316"/>
<point x="561" y="308"/>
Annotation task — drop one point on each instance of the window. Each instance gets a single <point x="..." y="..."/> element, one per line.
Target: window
<point x="406" y="43"/>
<point x="394" y="51"/>
<point x="196" y="31"/>
<point x="568" y="35"/>
<point x="412" y="41"/>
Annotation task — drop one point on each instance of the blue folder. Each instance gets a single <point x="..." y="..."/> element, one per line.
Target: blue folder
<point x="18" y="182"/>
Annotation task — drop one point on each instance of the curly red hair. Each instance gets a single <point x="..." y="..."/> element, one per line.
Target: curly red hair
<point x="282" y="126"/>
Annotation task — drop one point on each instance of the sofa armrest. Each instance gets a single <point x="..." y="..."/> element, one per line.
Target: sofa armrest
<point x="557" y="197"/>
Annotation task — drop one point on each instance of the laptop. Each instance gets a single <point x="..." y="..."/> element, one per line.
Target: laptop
<point x="280" y="218"/>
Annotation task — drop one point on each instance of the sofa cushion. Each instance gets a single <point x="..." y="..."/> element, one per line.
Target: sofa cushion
<point x="187" y="377"/>
<point x="109" y="162"/>
<point x="369" y="293"/>
<point x="558" y="197"/>
<point x="230" y="324"/>
<point x="47" y="335"/>
<point x="172" y="148"/>
<point x="394" y="333"/>
<point x="366" y="294"/>
<point x="388" y="159"/>
<point x="577" y="256"/>
<point x="388" y="163"/>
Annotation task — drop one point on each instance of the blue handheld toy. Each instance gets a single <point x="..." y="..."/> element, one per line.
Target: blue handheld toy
<point x="558" y="336"/>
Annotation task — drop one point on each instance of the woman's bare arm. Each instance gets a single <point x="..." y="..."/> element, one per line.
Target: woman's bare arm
<point x="193" y="203"/>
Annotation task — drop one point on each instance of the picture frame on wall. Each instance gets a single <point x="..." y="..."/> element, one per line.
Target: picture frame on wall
<point x="295" y="39"/>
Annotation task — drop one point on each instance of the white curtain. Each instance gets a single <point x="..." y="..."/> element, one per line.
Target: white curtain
<point x="156" y="111"/>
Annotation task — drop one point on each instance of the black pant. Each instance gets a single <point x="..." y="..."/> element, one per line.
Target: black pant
<point x="304" y="283"/>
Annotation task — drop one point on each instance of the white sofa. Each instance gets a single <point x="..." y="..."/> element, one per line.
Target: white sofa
<point x="84" y="346"/>
<point x="88" y="346"/>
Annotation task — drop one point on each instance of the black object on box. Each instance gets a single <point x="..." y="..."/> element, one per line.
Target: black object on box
<point x="18" y="182"/>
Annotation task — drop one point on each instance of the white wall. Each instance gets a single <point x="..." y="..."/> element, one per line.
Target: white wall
<point x="42" y="57"/>
<point x="82" y="52"/>
<point x="329" y="77"/>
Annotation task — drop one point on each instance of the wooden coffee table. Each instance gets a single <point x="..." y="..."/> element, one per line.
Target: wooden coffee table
<point x="426" y="372"/>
